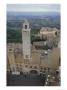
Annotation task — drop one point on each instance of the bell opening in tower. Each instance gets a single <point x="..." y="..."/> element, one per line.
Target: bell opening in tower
<point x="25" y="26"/>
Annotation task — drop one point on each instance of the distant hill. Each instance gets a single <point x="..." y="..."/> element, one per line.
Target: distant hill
<point x="19" y="15"/>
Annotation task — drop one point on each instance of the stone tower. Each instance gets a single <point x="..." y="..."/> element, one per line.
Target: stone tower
<point x="11" y="59"/>
<point x="26" y="41"/>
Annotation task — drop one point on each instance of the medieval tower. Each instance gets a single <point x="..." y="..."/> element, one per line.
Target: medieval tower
<point x="26" y="42"/>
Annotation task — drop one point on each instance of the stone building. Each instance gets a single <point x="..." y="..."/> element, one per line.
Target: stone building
<point x="26" y="41"/>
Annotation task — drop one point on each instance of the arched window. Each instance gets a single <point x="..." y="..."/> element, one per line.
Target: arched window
<point x="25" y="26"/>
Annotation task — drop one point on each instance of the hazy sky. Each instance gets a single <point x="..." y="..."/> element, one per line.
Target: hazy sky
<point x="33" y="7"/>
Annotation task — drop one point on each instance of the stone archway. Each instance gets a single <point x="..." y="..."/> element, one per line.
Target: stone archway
<point x="33" y="72"/>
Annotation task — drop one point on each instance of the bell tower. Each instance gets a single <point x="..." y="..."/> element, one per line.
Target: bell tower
<point x="26" y="41"/>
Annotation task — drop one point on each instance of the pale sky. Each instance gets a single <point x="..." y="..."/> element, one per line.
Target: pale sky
<point x="33" y="7"/>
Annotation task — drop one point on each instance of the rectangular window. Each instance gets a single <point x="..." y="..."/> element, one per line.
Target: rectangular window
<point x="26" y="56"/>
